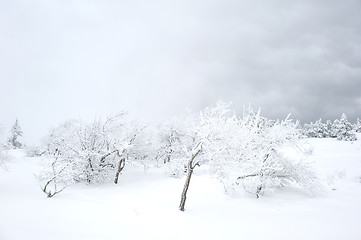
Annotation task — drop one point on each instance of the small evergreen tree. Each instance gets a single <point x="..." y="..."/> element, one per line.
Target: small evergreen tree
<point x="2" y="158"/>
<point x="329" y="128"/>
<point x="334" y="128"/>
<point x="344" y="129"/>
<point x="309" y="130"/>
<point x="320" y="129"/>
<point x="316" y="130"/>
<point x="358" y="126"/>
<point x="15" y="132"/>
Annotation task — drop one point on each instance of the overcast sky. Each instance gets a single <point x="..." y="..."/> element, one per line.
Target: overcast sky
<point x="62" y="59"/>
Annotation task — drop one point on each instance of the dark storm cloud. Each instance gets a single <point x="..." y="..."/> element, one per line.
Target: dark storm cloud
<point x="64" y="59"/>
<point x="305" y="58"/>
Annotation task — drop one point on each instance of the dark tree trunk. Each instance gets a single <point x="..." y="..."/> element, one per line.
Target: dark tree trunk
<point x="185" y="188"/>
<point x="190" y="169"/>
<point x="120" y="168"/>
<point x="89" y="176"/>
<point x="122" y="156"/>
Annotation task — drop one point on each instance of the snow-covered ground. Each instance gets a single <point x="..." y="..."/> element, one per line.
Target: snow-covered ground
<point x="145" y="205"/>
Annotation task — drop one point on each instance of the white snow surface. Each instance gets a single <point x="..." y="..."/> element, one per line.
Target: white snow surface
<point x="144" y="205"/>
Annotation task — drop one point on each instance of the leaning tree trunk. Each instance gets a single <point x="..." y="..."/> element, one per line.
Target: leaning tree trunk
<point x="120" y="168"/>
<point x="122" y="156"/>
<point x="190" y="169"/>
<point x="186" y="186"/>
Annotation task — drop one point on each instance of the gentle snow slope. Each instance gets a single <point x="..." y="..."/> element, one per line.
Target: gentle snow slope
<point x="144" y="205"/>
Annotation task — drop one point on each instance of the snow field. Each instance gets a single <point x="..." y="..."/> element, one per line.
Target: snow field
<point x="144" y="205"/>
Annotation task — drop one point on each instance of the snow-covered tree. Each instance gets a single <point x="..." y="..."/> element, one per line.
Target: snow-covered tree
<point x="344" y="130"/>
<point x="248" y="153"/>
<point x="15" y="133"/>
<point x="128" y="151"/>
<point x="210" y="136"/>
<point x="94" y="152"/>
<point x="262" y="163"/>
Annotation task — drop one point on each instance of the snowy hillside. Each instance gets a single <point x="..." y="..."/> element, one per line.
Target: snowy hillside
<point x="144" y="205"/>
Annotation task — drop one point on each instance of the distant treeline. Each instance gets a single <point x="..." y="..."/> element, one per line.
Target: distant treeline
<point x="341" y="129"/>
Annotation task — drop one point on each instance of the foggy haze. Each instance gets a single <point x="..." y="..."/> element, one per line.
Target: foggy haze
<point x="62" y="59"/>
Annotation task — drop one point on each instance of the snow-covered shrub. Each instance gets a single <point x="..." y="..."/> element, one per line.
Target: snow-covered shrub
<point x="70" y="147"/>
<point x="305" y="148"/>
<point x="170" y="137"/>
<point x="344" y="130"/>
<point x="262" y="164"/>
<point x="94" y="152"/>
<point x="34" y="151"/>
